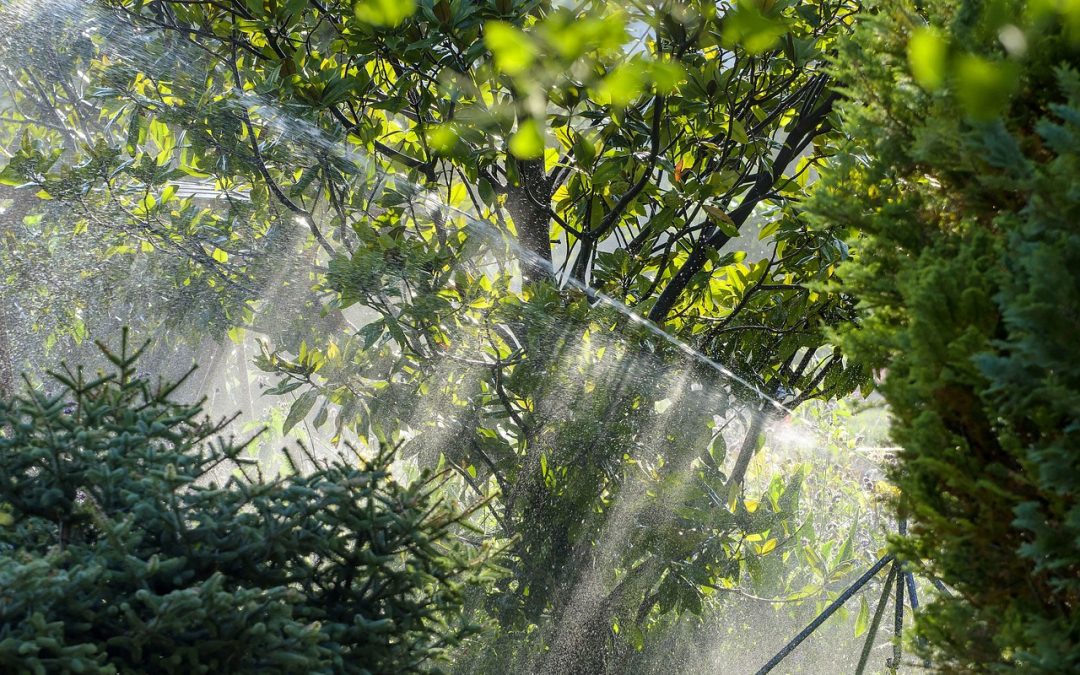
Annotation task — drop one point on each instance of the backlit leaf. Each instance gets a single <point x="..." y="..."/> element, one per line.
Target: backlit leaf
<point x="927" y="56"/>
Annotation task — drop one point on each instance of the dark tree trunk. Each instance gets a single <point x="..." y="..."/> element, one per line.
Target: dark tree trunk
<point x="7" y="358"/>
<point x="528" y="203"/>
<point x="23" y="201"/>
<point x="747" y="451"/>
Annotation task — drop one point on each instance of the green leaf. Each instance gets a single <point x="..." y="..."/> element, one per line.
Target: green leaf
<point x="607" y="171"/>
<point x="387" y="13"/>
<point x="862" y="621"/>
<point x="984" y="86"/>
<point x="927" y="56"/>
<point x="371" y="333"/>
<point x="9" y="176"/>
<point x="584" y="151"/>
<point x="512" y="50"/>
<point x="847" y="550"/>
<point x="528" y="141"/>
<point x="749" y="27"/>
<point x="299" y="409"/>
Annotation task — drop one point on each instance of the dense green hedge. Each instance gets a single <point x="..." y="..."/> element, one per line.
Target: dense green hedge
<point x="961" y="198"/>
<point x="120" y="553"/>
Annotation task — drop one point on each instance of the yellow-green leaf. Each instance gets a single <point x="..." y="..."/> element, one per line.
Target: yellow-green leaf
<point x="927" y="56"/>
<point x="738" y="131"/>
<point x="442" y="137"/>
<point x="984" y="86"/>
<point x="512" y="50"/>
<point x="622" y="85"/>
<point x="666" y="76"/>
<point x="749" y="27"/>
<point x="388" y="13"/>
<point x="862" y="621"/>
<point x="528" y="141"/>
<point x="722" y="220"/>
<point x="767" y="547"/>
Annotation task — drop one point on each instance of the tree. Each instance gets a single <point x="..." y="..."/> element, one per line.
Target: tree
<point x="413" y="150"/>
<point x="655" y="138"/>
<point x="126" y="545"/>
<point x="959" y="194"/>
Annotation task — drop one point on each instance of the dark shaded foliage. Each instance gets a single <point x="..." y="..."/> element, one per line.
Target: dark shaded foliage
<point x="961" y="198"/>
<point x="121" y="552"/>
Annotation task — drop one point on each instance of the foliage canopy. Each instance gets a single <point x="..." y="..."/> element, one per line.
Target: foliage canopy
<point x="472" y="187"/>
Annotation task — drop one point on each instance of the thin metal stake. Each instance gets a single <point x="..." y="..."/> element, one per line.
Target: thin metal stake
<point x="910" y="578"/>
<point x="898" y="621"/>
<point x="828" y="611"/>
<point x="864" y="657"/>
<point x="941" y="587"/>
<point x="914" y="608"/>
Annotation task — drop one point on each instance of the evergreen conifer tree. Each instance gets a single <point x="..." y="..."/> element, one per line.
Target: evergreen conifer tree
<point x="961" y="198"/>
<point x="120" y="553"/>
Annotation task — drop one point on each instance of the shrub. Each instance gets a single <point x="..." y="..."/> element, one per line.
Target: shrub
<point x="961" y="197"/>
<point x="120" y="553"/>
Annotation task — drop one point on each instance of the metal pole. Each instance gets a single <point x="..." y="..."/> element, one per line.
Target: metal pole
<point x="898" y="621"/>
<point x="910" y="578"/>
<point x="914" y="608"/>
<point x="828" y="611"/>
<point x="879" y="612"/>
<point x="941" y="587"/>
